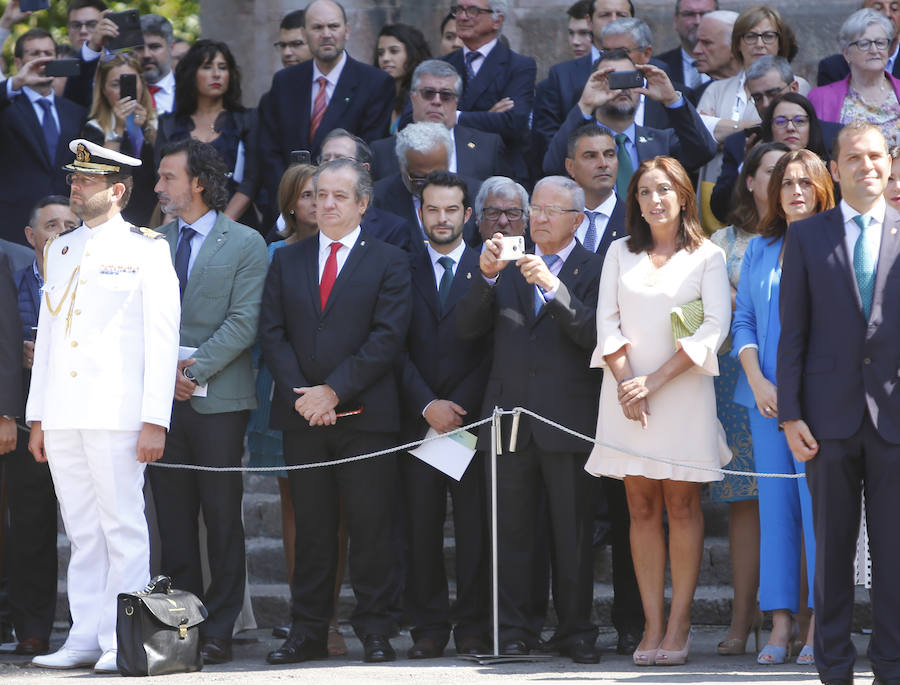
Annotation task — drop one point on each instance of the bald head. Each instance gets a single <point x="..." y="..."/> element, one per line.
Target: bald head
<point x="326" y="32"/>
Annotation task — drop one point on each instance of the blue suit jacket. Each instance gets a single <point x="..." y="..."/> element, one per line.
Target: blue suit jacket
<point x="684" y="137"/>
<point x="11" y="396"/>
<point x="28" y="171"/>
<point x="833" y="365"/>
<point x="361" y="103"/>
<point x="29" y="299"/>
<point x="503" y="74"/>
<point x="750" y="323"/>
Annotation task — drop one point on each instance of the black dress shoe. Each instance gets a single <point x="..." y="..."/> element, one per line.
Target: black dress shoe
<point x="514" y="648"/>
<point x="426" y="648"/>
<point x="281" y="632"/>
<point x="886" y="681"/>
<point x="378" y="649"/>
<point x="215" y="650"/>
<point x="297" y="649"/>
<point x="628" y="642"/>
<point x="472" y="645"/>
<point x="32" y="646"/>
<point x="582" y="650"/>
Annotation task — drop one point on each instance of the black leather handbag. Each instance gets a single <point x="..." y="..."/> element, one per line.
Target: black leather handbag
<point x="156" y="630"/>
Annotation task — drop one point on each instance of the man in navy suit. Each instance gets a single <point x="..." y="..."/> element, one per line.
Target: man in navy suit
<point x="11" y="406"/>
<point x="542" y="312"/>
<point x="333" y="326"/>
<point x="443" y="382"/>
<point x="332" y="90"/>
<point x="834" y="67"/>
<point x="35" y="129"/>
<point x="492" y="72"/>
<point x="434" y="94"/>
<point x="685" y="137"/>
<point x="839" y="395"/>
<point x="680" y="61"/>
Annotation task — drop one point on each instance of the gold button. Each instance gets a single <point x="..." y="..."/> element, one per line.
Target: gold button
<point x="77" y="312"/>
<point x="74" y="343"/>
<point x="83" y="281"/>
<point x="74" y="373"/>
<point x="87" y="254"/>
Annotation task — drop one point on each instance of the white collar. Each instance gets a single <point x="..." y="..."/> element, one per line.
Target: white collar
<point x="115" y="223"/>
<point x="333" y="75"/>
<point x="876" y="213"/>
<point x="563" y="254"/>
<point x="203" y="225"/>
<point x="607" y="206"/>
<point x="484" y="50"/>
<point x="167" y="83"/>
<point x="455" y="255"/>
<point x="347" y="241"/>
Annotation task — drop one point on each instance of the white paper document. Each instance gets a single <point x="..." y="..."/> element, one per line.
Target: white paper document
<point x="187" y="353"/>
<point x="451" y="454"/>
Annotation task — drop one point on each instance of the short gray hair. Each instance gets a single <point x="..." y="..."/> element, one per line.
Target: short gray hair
<point x="857" y="23"/>
<point x="503" y="187"/>
<point x="439" y="69"/>
<point x="422" y="137"/>
<point x="499" y="7"/>
<point x="157" y="25"/>
<point x="767" y="63"/>
<point x="575" y="191"/>
<point x="636" y="28"/>
<point x="726" y="17"/>
<point x="364" y="186"/>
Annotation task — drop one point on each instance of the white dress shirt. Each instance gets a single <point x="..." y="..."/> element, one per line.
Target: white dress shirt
<point x="434" y="256"/>
<point x="563" y="255"/>
<point x="347" y="243"/>
<point x="331" y="77"/>
<point x="202" y="227"/>
<point x="605" y="210"/>
<point x="164" y="98"/>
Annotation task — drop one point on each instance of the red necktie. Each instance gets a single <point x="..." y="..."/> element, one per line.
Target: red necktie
<point x="329" y="275"/>
<point x="153" y="91"/>
<point x="318" y="108"/>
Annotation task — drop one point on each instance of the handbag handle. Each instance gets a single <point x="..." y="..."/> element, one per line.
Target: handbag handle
<point x="160" y="584"/>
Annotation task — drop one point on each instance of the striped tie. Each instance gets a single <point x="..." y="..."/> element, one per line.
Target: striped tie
<point x="318" y="108"/>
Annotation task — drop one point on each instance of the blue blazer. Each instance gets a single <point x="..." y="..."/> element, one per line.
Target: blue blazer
<point x="750" y="323"/>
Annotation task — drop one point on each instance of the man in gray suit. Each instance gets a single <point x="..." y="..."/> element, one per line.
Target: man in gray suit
<point x="221" y="267"/>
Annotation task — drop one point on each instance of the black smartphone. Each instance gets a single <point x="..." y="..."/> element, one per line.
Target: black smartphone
<point x="128" y="86"/>
<point x="130" y="34"/>
<point x="300" y="157"/>
<point x="34" y="5"/>
<point x="621" y="80"/>
<point x="754" y="131"/>
<point x="62" y="67"/>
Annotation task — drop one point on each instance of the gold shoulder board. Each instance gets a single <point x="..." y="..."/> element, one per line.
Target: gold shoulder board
<point x="146" y="232"/>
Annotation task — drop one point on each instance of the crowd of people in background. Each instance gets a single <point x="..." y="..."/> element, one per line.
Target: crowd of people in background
<point x="709" y="282"/>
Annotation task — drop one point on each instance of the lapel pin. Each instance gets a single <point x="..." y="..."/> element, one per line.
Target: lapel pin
<point x="471" y="145"/>
<point x="575" y="273"/>
<point x="66" y="248"/>
<point x="893" y="231"/>
<point x="346" y="99"/>
<point x="614" y="234"/>
<point x="362" y="242"/>
<point x="468" y="274"/>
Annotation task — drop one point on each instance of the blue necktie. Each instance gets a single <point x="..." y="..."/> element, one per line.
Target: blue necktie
<point x="590" y="237"/>
<point x="550" y="260"/>
<point x="470" y="58"/>
<point x="49" y="127"/>
<point x="135" y="135"/>
<point x="864" y="254"/>
<point x="446" y="280"/>
<point x="183" y="256"/>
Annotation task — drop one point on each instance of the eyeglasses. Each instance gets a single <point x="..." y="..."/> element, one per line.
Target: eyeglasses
<point x="798" y="121"/>
<point x="864" y="44"/>
<point x="428" y="94"/>
<point x="282" y="44"/>
<point x="768" y="94"/>
<point x="78" y="25"/>
<point x="550" y="211"/>
<point x="470" y="11"/>
<point x="768" y="37"/>
<point x="511" y="214"/>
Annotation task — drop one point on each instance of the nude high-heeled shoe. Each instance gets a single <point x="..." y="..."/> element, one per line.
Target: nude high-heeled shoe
<point x="736" y="646"/>
<point x="645" y="657"/>
<point x="675" y="657"/>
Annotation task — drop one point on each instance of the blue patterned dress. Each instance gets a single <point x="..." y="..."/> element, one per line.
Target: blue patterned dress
<point x="733" y="416"/>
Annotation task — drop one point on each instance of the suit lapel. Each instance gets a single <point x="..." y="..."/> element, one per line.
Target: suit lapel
<point x="353" y="259"/>
<point x="310" y="263"/>
<point x="423" y="279"/>
<point x="343" y="95"/>
<point x="834" y="229"/>
<point x="888" y="252"/>
<point x="614" y="228"/>
<point x="69" y="127"/>
<point x="647" y="144"/>
<point x="493" y="63"/>
<point x="33" y="134"/>
<point x="569" y="271"/>
<point x="214" y="241"/>
<point x="466" y="270"/>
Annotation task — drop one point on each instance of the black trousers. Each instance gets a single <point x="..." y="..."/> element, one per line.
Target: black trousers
<point x="180" y="495"/>
<point x="570" y="507"/>
<point x="627" y="610"/>
<point x="31" y="543"/>
<point x="366" y="489"/>
<point x="427" y="595"/>
<point x="836" y="476"/>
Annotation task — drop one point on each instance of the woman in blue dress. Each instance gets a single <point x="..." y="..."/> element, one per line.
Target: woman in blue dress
<point x="799" y="187"/>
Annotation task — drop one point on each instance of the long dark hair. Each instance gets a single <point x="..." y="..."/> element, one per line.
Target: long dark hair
<point x="201" y="52"/>
<point x="417" y="51"/>
<point x="743" y="206"/>
<point x="774" y="223"/>
<point x="690" y="235"/>
<point x="816" y="139"/>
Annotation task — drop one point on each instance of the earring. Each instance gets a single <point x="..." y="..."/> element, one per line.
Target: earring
<point x="291" y="212"/>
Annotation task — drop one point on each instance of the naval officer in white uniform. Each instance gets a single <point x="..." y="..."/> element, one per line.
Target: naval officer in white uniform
<point x="101" y="393"/>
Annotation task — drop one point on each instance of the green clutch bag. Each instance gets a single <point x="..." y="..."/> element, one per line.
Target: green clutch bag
<point x="686" y="319"/>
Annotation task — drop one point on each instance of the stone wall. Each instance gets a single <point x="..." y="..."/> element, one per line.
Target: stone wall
<point x="534" y="27"/>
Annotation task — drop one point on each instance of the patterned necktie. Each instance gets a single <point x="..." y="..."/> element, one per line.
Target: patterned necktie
<point x="153" y="91"/>
<point x="183" y="256"/>
<point x="318" y="107"/>
<point x="446" y="280"/>
<point x="550" y="260"/>
<point x="590" y="237"/>
<point x="626" y="170"/>
<point x="470" y="59"/>
<point x="864" y="254"/>
<point x="329" y="275"/>
<point x="49" y="127"/>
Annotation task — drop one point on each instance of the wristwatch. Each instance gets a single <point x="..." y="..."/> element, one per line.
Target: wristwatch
<point x="187" y="373"/>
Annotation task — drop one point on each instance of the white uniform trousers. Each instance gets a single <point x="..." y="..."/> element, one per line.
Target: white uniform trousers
<point x="98" y="483"/>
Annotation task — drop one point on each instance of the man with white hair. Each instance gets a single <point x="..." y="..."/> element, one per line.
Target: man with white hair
<point x="680" y="61"/>
<point x="542" y="312"/>
<point x="420" y="148"/>
<point x="712" y="50"/>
